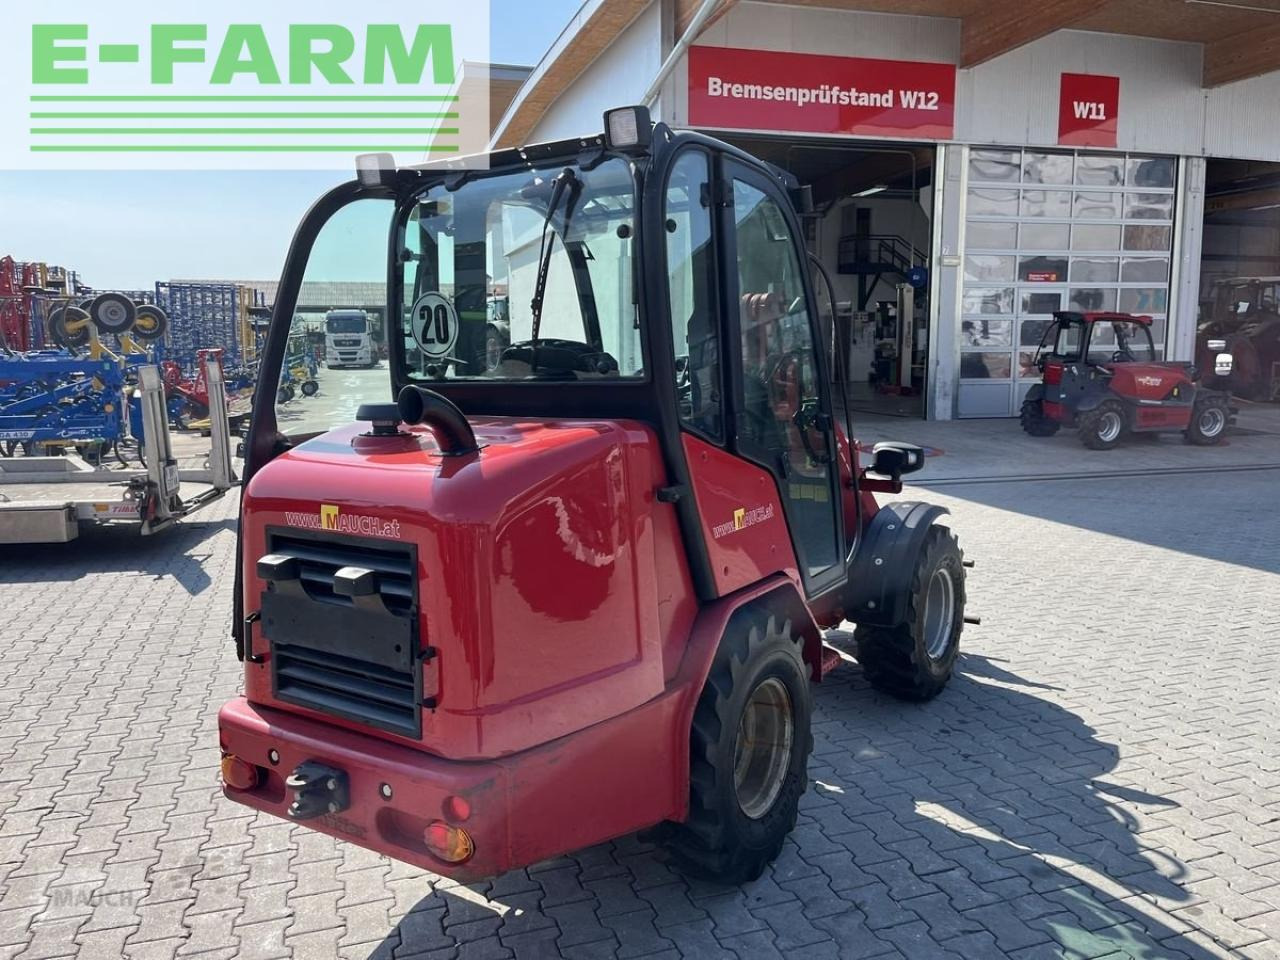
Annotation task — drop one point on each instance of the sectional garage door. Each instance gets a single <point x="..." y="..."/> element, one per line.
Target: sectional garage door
<point x="1050" y="230"/>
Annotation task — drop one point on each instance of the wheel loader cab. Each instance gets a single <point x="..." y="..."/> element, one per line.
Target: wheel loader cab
<point x="500" y="578"/>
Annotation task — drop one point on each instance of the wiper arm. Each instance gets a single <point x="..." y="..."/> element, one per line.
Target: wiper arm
<point x="565" y="180"/>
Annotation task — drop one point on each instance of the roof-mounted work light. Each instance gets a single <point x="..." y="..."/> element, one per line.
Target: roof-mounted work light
<point x="375" y="169"/>
<point x="628" y="129"/>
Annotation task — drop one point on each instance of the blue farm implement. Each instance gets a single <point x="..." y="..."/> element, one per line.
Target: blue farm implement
<point x="47" y="499"/>
<point x="50" y="398"/>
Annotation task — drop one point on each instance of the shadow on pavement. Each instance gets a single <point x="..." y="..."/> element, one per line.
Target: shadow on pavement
<point x="179" y="553"/>
<point x="979" y="825"/>
<point x="1167" y="512"/>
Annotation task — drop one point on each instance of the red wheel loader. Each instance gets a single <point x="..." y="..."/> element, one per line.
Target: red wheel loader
<point x="503" y="611"/>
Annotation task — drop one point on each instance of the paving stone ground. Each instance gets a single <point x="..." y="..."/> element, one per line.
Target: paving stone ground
<point x="1101" y="779"/>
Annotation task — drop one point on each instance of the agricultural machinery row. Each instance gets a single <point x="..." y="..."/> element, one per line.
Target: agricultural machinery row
<point x="69" y="361"/>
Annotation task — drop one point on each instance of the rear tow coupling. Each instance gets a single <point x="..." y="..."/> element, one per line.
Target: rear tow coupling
<point x="317" y="789"/>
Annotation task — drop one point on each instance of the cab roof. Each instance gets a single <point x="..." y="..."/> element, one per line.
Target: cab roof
<point x="1092" y="316"/>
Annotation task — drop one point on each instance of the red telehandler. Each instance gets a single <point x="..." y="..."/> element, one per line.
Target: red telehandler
<point x="537" y="604"/>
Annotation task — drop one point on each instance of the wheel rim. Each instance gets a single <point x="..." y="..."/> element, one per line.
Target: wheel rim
<point x="492" y="352"/>
<point x="763" y="749"/>
<point x="113" y="313"/>
<point x="939" y="613"/>
<point x="1109" y="426"/>
<point x="1212" y="421"/>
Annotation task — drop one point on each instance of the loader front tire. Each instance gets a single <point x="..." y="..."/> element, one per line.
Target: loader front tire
<point x="749" y="753"/>
<point x="914" y="660"/>
<point x="1103" y="427"/>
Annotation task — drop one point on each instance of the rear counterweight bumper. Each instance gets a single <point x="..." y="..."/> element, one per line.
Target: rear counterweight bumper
<point x="603" y="782"/>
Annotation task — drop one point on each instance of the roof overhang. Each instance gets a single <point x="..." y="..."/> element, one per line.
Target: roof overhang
<point x="1240" y="39"/>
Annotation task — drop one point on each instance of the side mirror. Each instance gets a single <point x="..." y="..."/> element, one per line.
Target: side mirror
<point x="894" y="459"/>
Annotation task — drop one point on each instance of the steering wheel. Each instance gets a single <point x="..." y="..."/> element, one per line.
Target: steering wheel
<point x="561" y="356"/>
<point x="1122" y="356"/>
<point x="436" y="368"/>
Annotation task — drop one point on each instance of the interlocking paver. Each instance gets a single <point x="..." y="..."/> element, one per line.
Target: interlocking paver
<point x="1070" y="794"/>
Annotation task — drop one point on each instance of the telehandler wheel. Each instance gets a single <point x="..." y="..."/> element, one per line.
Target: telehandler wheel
<point x="310" y="388"/>
<point x="1034" y="422"/>
<point x="749" y="754"/>
<point x="913" y="661"/>
<point x="1103" y="426"/>
<point x="1209" y="419"/>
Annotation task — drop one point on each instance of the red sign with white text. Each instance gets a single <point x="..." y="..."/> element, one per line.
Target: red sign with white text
<point x="1088" y="106"/>
<point x="735" y="89"/>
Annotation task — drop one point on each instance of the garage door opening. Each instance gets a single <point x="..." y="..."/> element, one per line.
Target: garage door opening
<point x="1240" y="273"/>
<point x="871" y="228"/>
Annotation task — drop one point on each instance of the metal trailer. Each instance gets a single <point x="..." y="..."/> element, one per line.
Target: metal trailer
<point x="49" y="499"/>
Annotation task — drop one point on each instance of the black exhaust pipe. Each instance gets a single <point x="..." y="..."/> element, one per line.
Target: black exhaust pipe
<point x="449" y="425"/>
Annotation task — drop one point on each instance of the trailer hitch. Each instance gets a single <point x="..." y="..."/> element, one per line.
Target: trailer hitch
<point x="317" y="789"/>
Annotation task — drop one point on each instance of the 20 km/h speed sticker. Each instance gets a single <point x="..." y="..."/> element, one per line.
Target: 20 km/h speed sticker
<point x="434" y="323"/>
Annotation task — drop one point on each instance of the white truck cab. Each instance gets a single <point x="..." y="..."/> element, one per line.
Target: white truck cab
<point x="348" y="341"/>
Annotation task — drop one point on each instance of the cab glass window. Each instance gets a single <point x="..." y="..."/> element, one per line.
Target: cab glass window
<point x="1120" y="341"/>
<point x="334" y="361"/>
<point x="691" y="289"/>
<point x="473" y="257"/>
<point x="1068" y="341"/>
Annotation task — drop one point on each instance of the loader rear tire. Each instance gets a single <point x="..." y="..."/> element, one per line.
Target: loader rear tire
<point x="1034" y="422"/>
<point x="749" y="754"/>
<point x="913" y="661"/>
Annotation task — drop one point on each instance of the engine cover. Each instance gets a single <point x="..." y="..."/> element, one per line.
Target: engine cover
<point x="524" y="575"/>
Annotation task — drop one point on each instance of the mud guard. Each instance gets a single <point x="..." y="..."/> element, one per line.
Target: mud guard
<point x="1094" y="396"/>
<point x="880" y="575"/>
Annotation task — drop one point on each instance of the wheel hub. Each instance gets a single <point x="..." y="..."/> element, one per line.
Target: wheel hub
<point x="113" y="313"/>
<point x="762" y="753"/>
<point x="1212" y="421"/>
<point x="939" y="613"/>
<point x="1109" y="426"/>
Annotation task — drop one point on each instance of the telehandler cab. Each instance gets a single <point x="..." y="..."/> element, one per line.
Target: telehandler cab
<point x="532" y="606"/>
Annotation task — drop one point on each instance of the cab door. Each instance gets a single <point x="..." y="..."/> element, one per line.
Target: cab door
<point x="779" y="388"/>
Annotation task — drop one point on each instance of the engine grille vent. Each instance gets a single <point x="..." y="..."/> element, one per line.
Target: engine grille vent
<point x="329" y="653"/>
<point x="319" y="560"/>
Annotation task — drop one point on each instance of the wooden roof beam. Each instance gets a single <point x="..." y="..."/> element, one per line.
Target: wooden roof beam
<point x="1003" y="25"/>
<point x="1242" y="55"/>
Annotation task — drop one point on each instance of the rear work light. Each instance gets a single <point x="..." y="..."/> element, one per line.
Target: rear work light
<point x="238" y="774"/>
<point x="628" y="129"/>
<point x="448" y="843"/>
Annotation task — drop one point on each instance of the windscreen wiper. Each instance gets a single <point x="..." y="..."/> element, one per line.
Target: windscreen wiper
<point x="565" y="181"/>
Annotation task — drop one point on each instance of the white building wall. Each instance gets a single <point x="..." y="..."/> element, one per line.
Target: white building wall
<point x="1013" y="99"/>
<point x="620" y="76"/>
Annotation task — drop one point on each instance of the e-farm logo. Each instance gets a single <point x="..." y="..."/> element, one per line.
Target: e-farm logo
<point x="278" y="80"/>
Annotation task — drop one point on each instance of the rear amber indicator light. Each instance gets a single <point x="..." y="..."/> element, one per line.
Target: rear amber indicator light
<point x="238" y="774"/>
<point x="450" y="844"/>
